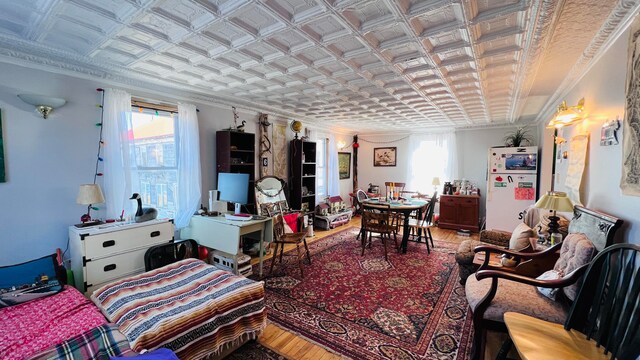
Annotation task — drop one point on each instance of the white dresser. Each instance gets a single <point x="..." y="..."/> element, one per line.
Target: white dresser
<point x="104" y="253"/>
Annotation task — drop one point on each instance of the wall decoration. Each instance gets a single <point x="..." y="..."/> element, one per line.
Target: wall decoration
<point x="385" y="156"/>
<point x="344" y="165"/>
<point x="609" y="133"/>
<point x="265" y="145"/>
<point x="578" y="150"/>
<point x="279" y="150"/>
<point x="2" y="174"/>
<point x="630" y="181"/>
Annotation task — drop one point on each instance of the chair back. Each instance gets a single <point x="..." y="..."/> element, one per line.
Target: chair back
<point x="428" y="214"/>
<point x="361" y="196"/>
<point x="398" y="187"/>
<point x="376" y="218"/>
<point x="278" y="226"/>
<point x="607" y="308"/>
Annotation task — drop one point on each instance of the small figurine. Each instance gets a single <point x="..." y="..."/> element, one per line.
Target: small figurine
<point x="143" y="214"/>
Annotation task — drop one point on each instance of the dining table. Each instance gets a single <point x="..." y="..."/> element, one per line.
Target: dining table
<point x="404" y="207"/>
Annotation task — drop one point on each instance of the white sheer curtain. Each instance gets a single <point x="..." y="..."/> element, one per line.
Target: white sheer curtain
<point x="333" y="178"/>
<point x="431" y="155"/>
<point x="115" y="131"/>
<point x="189" y="180"/>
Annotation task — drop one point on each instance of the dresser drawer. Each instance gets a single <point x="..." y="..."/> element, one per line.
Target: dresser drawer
<point x="114" y="267"/>
<point x="116" y="242"/>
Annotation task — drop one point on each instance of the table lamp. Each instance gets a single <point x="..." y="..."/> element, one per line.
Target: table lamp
<point x="556" y="201"/>
<point x="89" y="194"/>
<point x="436" y="183"/>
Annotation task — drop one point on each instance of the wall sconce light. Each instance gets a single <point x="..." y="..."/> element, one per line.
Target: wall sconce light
<point x="341" y="145"/>
<point x="44" y="104"/>
<point x="567" y="115"/>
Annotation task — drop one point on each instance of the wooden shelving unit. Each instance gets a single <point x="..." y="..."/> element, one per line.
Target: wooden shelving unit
<point x="302" y="155"/>
<point x="236" y="153"/>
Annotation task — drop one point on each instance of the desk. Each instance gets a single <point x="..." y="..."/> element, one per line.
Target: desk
<point x="224" y="235"/>
<point x="405" y="209"/>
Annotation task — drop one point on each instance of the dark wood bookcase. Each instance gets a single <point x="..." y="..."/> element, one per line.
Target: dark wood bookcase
<point x="236" y="153"/>
<point x="302" y="170"/>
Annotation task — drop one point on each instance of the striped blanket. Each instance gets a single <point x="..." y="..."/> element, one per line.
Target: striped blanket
<point x="189" y="307"/>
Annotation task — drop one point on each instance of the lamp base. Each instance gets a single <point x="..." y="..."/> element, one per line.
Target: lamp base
<point x="88" y="223"/>
<point x="554" y="226"/>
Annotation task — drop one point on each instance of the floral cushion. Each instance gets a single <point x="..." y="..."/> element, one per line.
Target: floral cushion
<point x="520" y="237"/>
<point x="576" y="251"/>
<point x="510" y="297"/>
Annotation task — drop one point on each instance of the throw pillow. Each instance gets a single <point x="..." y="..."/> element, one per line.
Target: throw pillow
<point x="549" y="292"/>
<point x="29" y="281"/>
<point x="576" y="251"/>
<point x="520" y="237"/>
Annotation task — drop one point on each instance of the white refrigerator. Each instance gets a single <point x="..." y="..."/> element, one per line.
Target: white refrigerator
<point x="511" y="186"/>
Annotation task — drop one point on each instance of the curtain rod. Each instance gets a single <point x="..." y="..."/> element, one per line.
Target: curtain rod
<point x="151" y="106"/>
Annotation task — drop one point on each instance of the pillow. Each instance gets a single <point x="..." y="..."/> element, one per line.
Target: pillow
<point x="520" y="237"/>
<point x="291" y="223"/>
<point x="30" y="280"/>
<point x="549" y="292"/>
<point x="576" y="251"/>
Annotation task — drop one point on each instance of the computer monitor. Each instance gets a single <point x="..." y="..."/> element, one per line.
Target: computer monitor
<point x="234" y="188"/>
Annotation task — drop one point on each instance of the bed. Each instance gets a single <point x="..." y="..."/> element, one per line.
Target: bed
<point x="190" y="307"/>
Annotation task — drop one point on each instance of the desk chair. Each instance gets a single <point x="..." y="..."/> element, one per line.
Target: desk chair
<point x="280" y="239"/>
<point x="603" y="322"/>
<point x="378" y="219"/>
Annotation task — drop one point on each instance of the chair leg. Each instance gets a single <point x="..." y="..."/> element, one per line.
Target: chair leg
<point x="306" y="247"/>
<point x="426" y="239"/>
<point x="504" y="349"/>
<point x="281" y="252"/>
<point x="384" y="243"/>
<point x="300" y="256"/>
<point x="363" y="243"/>
<point x="430" y="237"/>
<point x="274" y="258"/>
<point x="479" y="338"/>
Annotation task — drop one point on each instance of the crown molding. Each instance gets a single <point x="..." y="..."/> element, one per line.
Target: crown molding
<point x="616" y="24"/>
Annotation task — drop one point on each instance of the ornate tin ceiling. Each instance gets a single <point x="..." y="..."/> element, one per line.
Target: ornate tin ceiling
<point x="373" y="65"/>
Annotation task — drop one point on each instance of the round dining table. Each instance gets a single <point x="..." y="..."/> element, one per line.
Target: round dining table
<point x="405" y="208"/>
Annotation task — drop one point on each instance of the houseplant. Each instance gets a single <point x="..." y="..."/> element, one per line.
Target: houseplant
<point x="518" y="137"/>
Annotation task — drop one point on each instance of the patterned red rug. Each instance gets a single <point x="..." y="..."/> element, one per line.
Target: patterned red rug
<point x="364" y="307"/>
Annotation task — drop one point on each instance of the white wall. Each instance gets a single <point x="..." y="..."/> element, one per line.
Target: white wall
<point x="603" y="88"/>
<point x="46" y="160"/>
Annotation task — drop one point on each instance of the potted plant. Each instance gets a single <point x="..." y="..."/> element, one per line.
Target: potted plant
<point x="518" y="137"/>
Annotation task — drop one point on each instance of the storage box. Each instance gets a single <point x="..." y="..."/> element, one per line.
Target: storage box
<point x="226" y="262"/>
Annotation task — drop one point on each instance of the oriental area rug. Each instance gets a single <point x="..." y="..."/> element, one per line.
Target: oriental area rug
<point x="363" y="307"/>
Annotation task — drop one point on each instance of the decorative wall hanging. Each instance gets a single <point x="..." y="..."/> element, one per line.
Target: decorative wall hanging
<point x="609" y="133"/>
<point x="279" y="150"/>
<point x="344" y="165"/>
<point x="578" y="149"/>
<point x="2" y="174"/>
<point x="630" y="181"/>
<point x="385" y="156"/>
<point x="265" y="146"/>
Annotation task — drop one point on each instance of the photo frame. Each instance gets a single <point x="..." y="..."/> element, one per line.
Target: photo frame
<point x="609" y="133"/>
<point x="344" y="165"/>
<point x="304" y="206"/>
<point x="385" y="156"/>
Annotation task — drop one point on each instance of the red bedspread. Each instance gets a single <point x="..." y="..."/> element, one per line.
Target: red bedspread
<point x="33" y="327"/>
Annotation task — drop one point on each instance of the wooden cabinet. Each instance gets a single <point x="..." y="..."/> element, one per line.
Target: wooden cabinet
<point x="236" y="153"/>
<point x="302" y="170"/>
<point x="105" y="253"/>
<point x="459" y="212"/>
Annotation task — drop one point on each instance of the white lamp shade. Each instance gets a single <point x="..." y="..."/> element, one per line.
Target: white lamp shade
<point x="90" y="194"/>
<point x="555" y="200"/>
<point x="435" y="181"/>
<point x="37" y="100"/>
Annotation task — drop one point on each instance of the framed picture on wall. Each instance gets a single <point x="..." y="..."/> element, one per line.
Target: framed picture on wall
<point x="385" y="156"/>
<point x="344" y="165"/>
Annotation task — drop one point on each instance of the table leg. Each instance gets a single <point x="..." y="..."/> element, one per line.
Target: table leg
<point x="405" y="233"/>
<point x="261" y="249"/>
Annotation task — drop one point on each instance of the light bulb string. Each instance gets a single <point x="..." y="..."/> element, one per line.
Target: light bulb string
<point x="95" y="175"/>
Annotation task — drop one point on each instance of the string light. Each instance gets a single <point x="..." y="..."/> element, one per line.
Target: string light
<point x="99" y="158"/>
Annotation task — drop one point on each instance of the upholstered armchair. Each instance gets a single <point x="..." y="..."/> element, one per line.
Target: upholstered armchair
<point x="534" y="221"/>
<point x="529" y="286"/>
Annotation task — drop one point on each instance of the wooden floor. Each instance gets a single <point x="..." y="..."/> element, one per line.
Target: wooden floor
<point x="295" y="347"/>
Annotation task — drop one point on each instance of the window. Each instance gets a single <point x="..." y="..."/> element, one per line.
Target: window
<point x="432" y="155"/>
<point x="154" y="172"/>
<point x="321" y="169"/>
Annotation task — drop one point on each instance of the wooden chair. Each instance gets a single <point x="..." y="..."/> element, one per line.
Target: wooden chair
<point x="361" y="196"/>
<point x="424" y="223"/>
<point x="495" y="290"/>
<point x="398" y="187"/>
<point x="603" y="322"/>
<point x="280" y="239"/>
<point x="377" y="219"/>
